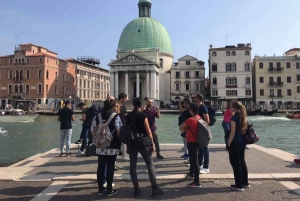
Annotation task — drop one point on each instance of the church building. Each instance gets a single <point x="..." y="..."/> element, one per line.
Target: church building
<point x="144" y="58"/>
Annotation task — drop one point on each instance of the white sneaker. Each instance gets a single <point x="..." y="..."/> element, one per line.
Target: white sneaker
<point x="105" y="185"/>
<point x="125" y="158"/>
<point x="186" y="162"/>
<point x="248" y="147"/>
<point x="80" y="153"/>
<point x="204" y="171"/>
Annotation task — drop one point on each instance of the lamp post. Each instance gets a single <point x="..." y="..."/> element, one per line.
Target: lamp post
<point x="272" y="95"/>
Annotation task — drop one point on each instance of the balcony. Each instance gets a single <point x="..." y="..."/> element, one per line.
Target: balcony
<point x="18" y="79"/>
<point x="231" y="85"/>
<point x="214" y="86"/>
<point x="275" y="70"/>
<point x="248" y="86"/>
<point x="275" y="84"/>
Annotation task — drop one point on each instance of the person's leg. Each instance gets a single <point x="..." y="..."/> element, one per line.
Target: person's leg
<point x="79" y="141"/>
<point x="235" y="160"/>
<point x="185" y="146"/>
<point x="100" y="171"/>
<point x="62" y="140"/>
<point x="110" y="171"/>
<point x="244" y="166"/>
<point x="200" y="156"/>
<point x="206" y="158"/>
<point x="155" y="140"/>
<point x="133" y="153"/>
<point x="194" y="166"/>
<point x="84" y="132"/>
<point x="68" y="140"/>
<point x="191" y="157"/>
<point x="147" y="156"/>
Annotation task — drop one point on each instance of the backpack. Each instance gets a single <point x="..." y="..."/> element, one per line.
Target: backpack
<point x="91" y="113"/>
<point x="103" y="136"/>
<point x="127" y="133"/>
<point x="250" y="135"/>
<point x="90" y="150"/>
<point x="204" y="135"/>
<point x="212" y="115"/>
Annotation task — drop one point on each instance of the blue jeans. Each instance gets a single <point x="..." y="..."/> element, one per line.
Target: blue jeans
<point x="84" y="136"/>
<point x="65" y="135"/>
<point x="226" y="127"/>
<point x="203" y="153"/>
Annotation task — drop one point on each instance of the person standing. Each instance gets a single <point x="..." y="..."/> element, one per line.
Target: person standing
<point x="226" y="122"/>
<point x="122" y="98"/>
<point x="203" y="151"/>
<point x="152" y="113"/>
<point x="236" y="146"/>
<point x="65" y="117"/>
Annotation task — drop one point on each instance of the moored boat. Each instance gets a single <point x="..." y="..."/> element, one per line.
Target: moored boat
<point x="254" y="112"/>
<point x="16" y="115"/>
<point x="268" y="113"/>
<point x="294" y="115"/>
<point x="218" y="113"/>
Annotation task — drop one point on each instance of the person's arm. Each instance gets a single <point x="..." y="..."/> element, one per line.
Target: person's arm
<point x="157" y="111"/>
<point x="58" y="118"/>
<point x="73" y="117"/>
<point x="83" y="117"/>
<point x="147" y="128"/>
<point x="205" y="114"/>
<point x="118" y="125"/>
<point x="94" y="126"/>
<point x="183" y="127"/>
<point x="232" y="132"/>
<point x="206" y="118"/>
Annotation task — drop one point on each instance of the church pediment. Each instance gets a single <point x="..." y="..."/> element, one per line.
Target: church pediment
<point x="187" y="58"/>
<point x="19" y="54"/>
<point x="132" y="59"/>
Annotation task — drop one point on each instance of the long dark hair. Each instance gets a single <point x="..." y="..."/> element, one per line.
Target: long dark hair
<point x="241" y="110"/>
<point x="137" y="103"/>
<point x="109" y="104"/>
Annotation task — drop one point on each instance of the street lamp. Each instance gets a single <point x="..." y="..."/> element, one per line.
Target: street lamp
<point x="272" y="95"/>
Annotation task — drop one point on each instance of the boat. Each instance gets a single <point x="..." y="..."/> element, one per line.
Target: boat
<point x="218" y="113"/>
<point x="294" y="115"/>
<point x="254" y="112"/>
<point x="16" y="115"/>
<point x="268" y="113"/>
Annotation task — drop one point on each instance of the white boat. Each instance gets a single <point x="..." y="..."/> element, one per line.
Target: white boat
<point x="16" y="115"/>
<point x="218" y="113"/>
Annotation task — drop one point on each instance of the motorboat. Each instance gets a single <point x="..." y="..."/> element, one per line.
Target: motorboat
<point x="294" y="115"/>
<point x="16" y="115"/>
<point x="268" y="113"/>
<point x="254" y="112"/>
<point x="218" y="113"/>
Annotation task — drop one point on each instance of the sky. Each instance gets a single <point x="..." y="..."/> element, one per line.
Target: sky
<point x="93" y="27"/>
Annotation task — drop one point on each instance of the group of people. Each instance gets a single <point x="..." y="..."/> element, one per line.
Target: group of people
<point x="143" y="118"/>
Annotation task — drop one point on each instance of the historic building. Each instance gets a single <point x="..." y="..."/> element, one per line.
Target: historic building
<point x="92" y="80"/>
<point x="187" y="77"/>
<point x="144" y="58"/>
<point x="230" y="74"/>
<point x="35" y="73"/>
<point x="277" y="80"/>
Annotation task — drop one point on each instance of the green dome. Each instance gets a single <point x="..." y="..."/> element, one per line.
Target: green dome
<point x="145" y="33"/>
<point x="144" y="1"/>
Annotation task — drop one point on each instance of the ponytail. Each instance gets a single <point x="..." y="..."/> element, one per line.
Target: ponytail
<point x="243" y="115"/>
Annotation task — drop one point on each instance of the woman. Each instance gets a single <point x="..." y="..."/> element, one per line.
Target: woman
<point x="191" y="128"/>
<point x="236" y="146"/>
<point x="107" y="156"/>
<point x="142" y="127"/>
<point x="226" y="122"/>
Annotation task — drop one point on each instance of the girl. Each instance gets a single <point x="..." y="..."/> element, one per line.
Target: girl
<point x="226" y="122"/>
<point x="236" y="146"/>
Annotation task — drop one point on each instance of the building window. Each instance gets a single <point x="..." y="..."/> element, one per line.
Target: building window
<point x="231" y="67"/>
<point x="9" y="89"/>
<point x="247" y="53"/>
<point x="177" y="86"/>
<point x="248" y="92"/>
<point x="10" y="61"/>
<point x="23" y="60"/>
<point x="64" y="91"/>
<point x="298" y="78"/>
<point x="297" y="65"/>
<point x="231" y="92"/>
<point x="177" y="74"/>
<point x="289" y="92"/>
<point x="78" y="72"/>
<point x="197" y="86"/>
<point x="279" y="93"/>
<point x="47" y="74"/>
<point x="27" y="60"/>
<point x="40" y="60"/>
<point x="272" y="92"/>
<point x="39" y="88"/>
<point x="214" y="92"/>
<point x="21" y="88"/>
<point x="16" y="61"/>
<point x="261" y="79"/>
<point x="187" y="74"/>
<point x="16" y="88"/>
<point x="188" y="63"/>
<point x="233" y="53"/>
<point x="214" y="54"/>
<point x="64" y="77"/>
<point x="214" y="68"/>
<point x="27" y="89"/>
<point x="67" y="91"/>
<point x="47" y="60"/>
<point x="298" y="89"/>
<point x="161" y="63"/>
<point x="288" y="64"/>
<point x="289" y="79"/>
<point x="215" y="80"/>
<point x="248" y="80"/>
<point x="55" y="90"/>
<point x="56" y="76"/>
<point x="261" y="92"/>
<point x="197" y="73"/>
<point x="187" y="86"/>
<point x="68" y="78"/>
<point x="27" y="74"/>
<point x="231" y="81"/>
<point x="55" y="62"/>
<point x="247" y="66"/>
<point x="261" y="65"/>
<point x="40" y="74"/>
<point x="10" y="74"/>
<point x="227" y="53"/>
<point x="271" y="66"/>
<point x="47" y="90"/>
<point x="20" y="60"/>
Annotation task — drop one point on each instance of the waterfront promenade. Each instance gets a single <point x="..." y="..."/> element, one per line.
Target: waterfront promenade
<point x="271" y="173"/>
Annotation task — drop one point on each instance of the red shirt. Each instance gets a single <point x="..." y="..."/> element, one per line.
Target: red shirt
<point x="227" y="115"/>
<point x="192" y="128"/>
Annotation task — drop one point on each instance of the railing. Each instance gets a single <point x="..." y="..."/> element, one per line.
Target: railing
<point x="274" y="70"/>
<point x="248" y="86"/>
<point x="275" y="84"/>
<point x="214" y="86"/>
<point x="18" y="79"/>
<point x="231" y="85"/>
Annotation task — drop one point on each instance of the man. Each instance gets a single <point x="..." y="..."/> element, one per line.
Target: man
<point x="65" y="116"/>
<point x="203" y="151"/>
<point x="122" y="100"/>
<point x="152" y="113"/>
<point x="86" y="118"/>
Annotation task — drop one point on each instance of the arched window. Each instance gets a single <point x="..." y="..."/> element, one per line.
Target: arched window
<point x="21" y="75"/>
<point x="16" y="88"/>
<point x="10" y="75"/>
<point x="214" y="54"/>
<point x="56" y="77"/>
<point x="40" y="73"/>
<point x="27" y="74"/>
<point x="40" y="89"/>
<point x="215" y="80"/>
<point x="47" y="74"/>
<point x="248" y="81"/>
<point x="233" y="53"/>
<point x="227" y="53"/>
<point x="27" y="89"/>
<point x="64" y="77"/>
<point x="21" y="88"/>
<point x="228" y="81"/>
<point x="9" y="89"/>
<point x="17" y="74"/>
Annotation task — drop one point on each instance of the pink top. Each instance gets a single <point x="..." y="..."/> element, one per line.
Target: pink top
<point x="227" y="115"/>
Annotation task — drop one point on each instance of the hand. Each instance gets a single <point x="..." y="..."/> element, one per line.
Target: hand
<point x="152" y="149"/>
<point x="156" y="107"/>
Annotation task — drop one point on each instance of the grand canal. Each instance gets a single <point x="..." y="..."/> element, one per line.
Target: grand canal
<point x="21" y="140"/>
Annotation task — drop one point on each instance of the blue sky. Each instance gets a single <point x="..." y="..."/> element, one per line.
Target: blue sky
<point x="93" y="27"/>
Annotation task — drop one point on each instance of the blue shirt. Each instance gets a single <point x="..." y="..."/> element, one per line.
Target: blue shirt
<point x="238" y="137"/>
<point x="202" y="110"/>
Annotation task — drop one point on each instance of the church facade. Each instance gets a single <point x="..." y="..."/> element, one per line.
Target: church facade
<point x="144" y="58"/>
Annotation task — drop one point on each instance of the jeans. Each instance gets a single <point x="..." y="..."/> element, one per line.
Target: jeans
<point x="238" y="163"/>
<point x="203" y="153"/>
<point x="226" y="128"/>
<point x="147" y="156"/>
<point x="84" y="136"/>
<point x="193" y="148"/>
<point x="155" y="140"/>
<point x="104" y="160"/>
<point x="65" y="135"/>
<point x="185" y="145"/>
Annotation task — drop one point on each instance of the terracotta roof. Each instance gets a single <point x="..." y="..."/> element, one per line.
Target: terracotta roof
<point x="6" y="56"/>
<point x="38" y="46"/>
<point x="293" y="49"/>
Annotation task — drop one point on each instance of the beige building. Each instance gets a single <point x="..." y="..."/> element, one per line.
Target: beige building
<point x="230" y="74"/>
<point x="92" y="80"/>
<point x="277" y="80"/>
<point x="187" y="77"/>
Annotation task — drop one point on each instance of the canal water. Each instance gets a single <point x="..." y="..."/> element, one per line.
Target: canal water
<point x="21" y="140"/>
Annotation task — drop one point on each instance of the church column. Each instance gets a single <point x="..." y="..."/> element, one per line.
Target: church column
<point x="157" y="86"/>
<point x="126" y="84"/>
<point x="153" y="85"/>
<point x="147" y="84"/>
<point x="112" y="83"/>
<point x="116" y="84"/>
<point x="137" y="84"/>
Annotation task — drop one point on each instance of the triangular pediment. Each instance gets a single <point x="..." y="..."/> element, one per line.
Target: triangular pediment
<point x="19" y="54"/>
<point x="187" y="58"/>
<point x="132" y="59"/>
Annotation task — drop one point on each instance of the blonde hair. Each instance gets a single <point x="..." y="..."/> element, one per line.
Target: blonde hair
<point x="117" y="108"/>
<point x="241" y="110"/>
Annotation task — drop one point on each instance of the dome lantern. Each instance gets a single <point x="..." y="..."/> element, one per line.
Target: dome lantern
<point x="144" y="8"/>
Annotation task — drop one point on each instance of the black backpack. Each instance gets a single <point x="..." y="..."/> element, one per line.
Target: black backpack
<point x="212" y="115"/>
<point x="91" y="113"/>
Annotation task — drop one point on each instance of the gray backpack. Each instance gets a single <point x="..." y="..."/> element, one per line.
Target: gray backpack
<point x="204" y="135"/>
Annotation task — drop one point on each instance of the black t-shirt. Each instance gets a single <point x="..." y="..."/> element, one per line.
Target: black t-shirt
<point x="123" y="113"/>
<point x="202" y="110"/>
<point x="139" y="121"/>
<point x="65" y="115"/>
<point x="184" y="116"/>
